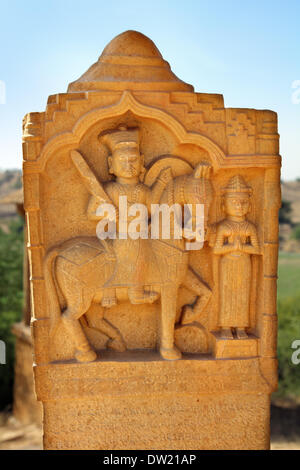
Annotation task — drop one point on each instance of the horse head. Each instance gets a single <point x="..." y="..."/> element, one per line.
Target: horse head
<point x="196" y="189"/>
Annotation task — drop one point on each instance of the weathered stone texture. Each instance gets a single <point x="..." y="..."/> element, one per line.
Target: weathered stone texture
<point x="101" y="311"/>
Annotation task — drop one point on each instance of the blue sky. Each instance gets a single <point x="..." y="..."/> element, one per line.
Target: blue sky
<point x="247" y="50"/>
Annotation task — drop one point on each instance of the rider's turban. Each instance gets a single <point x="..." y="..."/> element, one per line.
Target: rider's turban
<point x="120" y="137"/>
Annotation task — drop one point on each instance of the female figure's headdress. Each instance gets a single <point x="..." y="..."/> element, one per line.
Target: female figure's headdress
<point x="237" y="184"/>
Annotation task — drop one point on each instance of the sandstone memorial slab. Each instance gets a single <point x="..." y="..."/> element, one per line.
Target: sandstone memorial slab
<point x="145" y="339"/>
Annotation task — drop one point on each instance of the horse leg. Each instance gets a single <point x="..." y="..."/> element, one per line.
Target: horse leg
<point x="98" y="322"/>
<point x="194" y="284"/>
<point x="167" y="318"/>
<point x="84" y="351"/>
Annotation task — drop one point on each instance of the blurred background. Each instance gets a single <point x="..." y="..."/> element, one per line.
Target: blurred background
<point x="20" y="413"/>
<point x="248" y="51"/>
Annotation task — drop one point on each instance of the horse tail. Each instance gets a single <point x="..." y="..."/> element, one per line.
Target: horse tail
<point x="53" y="304"/>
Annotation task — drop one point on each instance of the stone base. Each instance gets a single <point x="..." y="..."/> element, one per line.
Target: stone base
<point x="234" y="348"/>
<point x="26" y="408"/>
<point x="135" y="400"/>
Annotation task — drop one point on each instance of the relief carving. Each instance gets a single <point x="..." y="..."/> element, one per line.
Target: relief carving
<point x="236" y="241"/>
<point x="86" y="269"/>
<point x="128" y="153"/>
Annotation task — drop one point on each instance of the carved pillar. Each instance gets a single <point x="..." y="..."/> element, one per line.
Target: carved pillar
<point x="272" y="198"/>
<point x="115" y="323"/>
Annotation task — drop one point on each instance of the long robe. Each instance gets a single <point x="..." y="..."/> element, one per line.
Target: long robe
<point x="235" y="269"/>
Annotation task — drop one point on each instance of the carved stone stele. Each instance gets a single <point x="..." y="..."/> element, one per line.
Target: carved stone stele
<point x="130" y="333"/>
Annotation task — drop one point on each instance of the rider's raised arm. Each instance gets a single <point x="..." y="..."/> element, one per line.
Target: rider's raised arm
<point x="98" y="194"/>
<point x="90" y="181"/>
<point x="164" y="177"/>
<point x="92" y="207"/>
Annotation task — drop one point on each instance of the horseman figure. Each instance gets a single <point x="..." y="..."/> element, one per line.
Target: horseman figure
<point x="86" y="270"/>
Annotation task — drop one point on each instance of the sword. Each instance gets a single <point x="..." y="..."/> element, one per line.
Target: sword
<point x="89" y="179"/>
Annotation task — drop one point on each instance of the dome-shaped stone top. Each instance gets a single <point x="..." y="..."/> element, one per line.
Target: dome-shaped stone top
<point x="131" y="61"/>
<point x="131" y="43"/>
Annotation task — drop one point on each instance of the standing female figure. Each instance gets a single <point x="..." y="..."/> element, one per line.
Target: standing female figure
<point x="236" y="241"/>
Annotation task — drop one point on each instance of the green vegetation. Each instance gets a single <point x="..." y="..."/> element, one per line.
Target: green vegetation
<point x="285" y="213"/>
<point x="288" y="331"/>
<point x="11" y="257"/>
<point x="296" y="232"/>
<point x="8" y="175"/>
<point x="11" y="295"/>
<point x="18" y="183"/>
<point x="288" y="276"/>
<point x="288" y="323"/>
